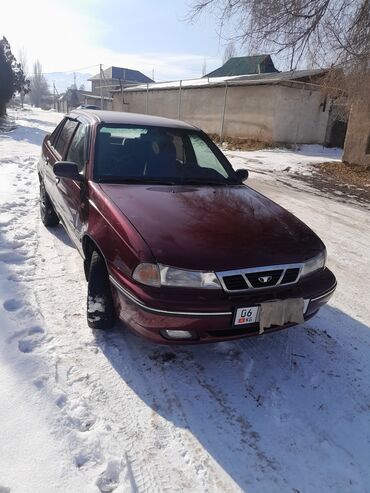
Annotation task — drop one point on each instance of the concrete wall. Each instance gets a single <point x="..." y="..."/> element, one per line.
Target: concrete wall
<point x="271" y="113"/>
<point x="250" y="112"/>
<point x="357" y="143"/>
<point x="299" y="116"/>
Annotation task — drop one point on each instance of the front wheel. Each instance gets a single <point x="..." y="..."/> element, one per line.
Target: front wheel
<point x="48" y="215"/>
<point x="100" y="307"/>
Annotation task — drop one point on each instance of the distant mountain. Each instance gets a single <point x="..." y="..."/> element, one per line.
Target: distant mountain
<point x="63" y="80"/>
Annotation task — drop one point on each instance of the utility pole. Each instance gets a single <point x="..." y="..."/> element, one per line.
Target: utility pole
<point x="147" y="97"/>
<point x="74" y="80"/>
<point x="54" y="95"/>
<point x="101" y="87"/>
<point x="179" y="102"/>
<point x="223" y="114"/>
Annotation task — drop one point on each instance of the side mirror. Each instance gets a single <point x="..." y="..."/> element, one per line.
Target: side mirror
<point x="67" y="169"/>
<point x="242" y="174"/>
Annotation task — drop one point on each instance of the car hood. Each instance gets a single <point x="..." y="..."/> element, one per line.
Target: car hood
<point x="213" y="228"/>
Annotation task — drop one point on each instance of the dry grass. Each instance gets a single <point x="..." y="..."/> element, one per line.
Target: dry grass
<point x="347" y="174"/>
<point x="238" y="144"/>
<point x="343" y="181"/>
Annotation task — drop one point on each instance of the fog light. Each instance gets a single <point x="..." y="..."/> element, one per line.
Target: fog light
<point x="177" y="334"/>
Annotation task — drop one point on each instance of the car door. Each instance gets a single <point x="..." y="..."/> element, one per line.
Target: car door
<point x="72" y="193"/>
<point x="51" y="153"/>
<point x="56" y="151"/>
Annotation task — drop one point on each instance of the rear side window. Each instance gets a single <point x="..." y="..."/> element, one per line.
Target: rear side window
<point x="54" y="136"/>
<point x="65" y="136"/>
<point x="76" y="152"/>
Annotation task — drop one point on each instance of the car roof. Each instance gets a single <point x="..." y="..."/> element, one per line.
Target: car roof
<point x="121" y="117"/>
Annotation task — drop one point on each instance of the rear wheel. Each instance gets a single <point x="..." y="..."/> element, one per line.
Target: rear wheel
<point x="100" y="307"/>
<point x="47" y="212"/>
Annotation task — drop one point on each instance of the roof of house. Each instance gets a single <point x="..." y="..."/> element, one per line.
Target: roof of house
<point x="72" y="90"/>
<point x="245" y="65"/>
<point x="125" y="118"/>
<point x="294" y="76"/>
<point x="125" y="74"/>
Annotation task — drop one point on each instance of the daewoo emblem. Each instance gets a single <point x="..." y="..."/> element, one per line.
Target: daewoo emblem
<point x="264" y="279"/>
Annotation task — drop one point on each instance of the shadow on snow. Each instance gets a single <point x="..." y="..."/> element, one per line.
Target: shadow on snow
<point x="270" y="410"/>
<point x="287" y="411"/>
<point x="28" y="134"/>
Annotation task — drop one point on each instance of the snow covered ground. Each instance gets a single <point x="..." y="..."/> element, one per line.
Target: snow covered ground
<point x="85" y="412"/>
<point x="282" y="161"/>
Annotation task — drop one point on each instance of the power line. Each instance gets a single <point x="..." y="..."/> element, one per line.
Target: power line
<point x="71" y="70"/>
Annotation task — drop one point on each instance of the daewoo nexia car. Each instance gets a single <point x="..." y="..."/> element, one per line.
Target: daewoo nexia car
<point x="173" y="242"/>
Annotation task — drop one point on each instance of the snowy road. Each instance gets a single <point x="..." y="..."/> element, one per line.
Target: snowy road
<point x="84" y="412"/>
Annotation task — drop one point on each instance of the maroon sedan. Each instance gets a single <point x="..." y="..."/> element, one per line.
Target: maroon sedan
<point x="173" y="242"/>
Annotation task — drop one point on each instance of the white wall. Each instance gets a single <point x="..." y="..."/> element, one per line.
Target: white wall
<point x="272" y="113"/>
<point x="299" y="116"/>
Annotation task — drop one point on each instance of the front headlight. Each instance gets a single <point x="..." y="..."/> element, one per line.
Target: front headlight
<point x="314" y="264"/>
<point x="163" y="275"/>
<point x="170" y="276"/>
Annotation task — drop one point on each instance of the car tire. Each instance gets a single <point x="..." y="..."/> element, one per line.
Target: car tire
<point x="100" y="307"/>
<point x="47" y="212"/>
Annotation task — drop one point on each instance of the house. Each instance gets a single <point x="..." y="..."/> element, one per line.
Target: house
<point x="111" y="79"/>
<point x="281" y="107"/>
<point x="68" y="100"/>
<point x="245" y="65"/>
<point x="117" y="77"/>
<point x="71" y="99"/>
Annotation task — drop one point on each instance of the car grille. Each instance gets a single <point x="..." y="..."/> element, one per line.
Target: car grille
<point x="290" y="276"/>
<point x="235" y="283"/>
<point x="259" y="278"/>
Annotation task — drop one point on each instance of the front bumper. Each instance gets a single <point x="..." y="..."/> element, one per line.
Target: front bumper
<point x="215" y="325"/>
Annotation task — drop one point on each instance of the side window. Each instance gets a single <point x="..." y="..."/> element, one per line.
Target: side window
<point x="65" y="136"/>
<point x="54" y="135"/>
<point x="76" y="152"/>
<point x="205" y="156"/>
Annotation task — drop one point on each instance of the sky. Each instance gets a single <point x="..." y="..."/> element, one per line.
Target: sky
<point x="77" y="35"/>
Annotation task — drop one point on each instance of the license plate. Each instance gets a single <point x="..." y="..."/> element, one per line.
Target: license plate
<point x="250" y="314"/>
<point x="246" y="315"/>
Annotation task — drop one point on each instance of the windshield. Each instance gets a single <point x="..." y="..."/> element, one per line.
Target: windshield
<point x="135" y="154"/>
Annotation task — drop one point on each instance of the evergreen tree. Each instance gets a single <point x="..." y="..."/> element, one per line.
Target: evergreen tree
<point x="12" y="77"/>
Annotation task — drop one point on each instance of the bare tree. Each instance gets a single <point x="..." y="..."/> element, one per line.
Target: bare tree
<point x="317" y="33"/>
<point x="336" y="31"/>
<point x="39" y="86"/>
<point x="230" y="51"/>
<point x="22" y="60"/>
